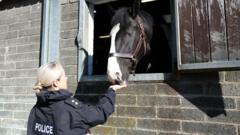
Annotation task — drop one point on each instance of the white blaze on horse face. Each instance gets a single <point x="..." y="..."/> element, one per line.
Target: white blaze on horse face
<point x="113" y="68"/>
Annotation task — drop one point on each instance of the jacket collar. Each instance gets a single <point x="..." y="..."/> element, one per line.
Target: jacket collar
<point x="49" y="97"/>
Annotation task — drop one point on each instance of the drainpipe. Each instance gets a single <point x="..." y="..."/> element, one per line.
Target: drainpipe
<point x="50" y="31"/>
<point x="44" y="33"/>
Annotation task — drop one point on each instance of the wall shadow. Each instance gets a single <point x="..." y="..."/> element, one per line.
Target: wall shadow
<point x="9" y="4"/>
<point x="201" y="90"/>
<point x="90" y="92"/>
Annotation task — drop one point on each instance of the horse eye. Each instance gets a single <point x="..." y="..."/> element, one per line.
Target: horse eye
<point x="129" y="33"/>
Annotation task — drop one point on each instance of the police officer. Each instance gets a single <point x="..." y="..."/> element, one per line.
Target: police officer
<point x="58" y="113"/>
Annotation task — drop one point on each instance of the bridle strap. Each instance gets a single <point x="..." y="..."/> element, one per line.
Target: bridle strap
<point x="126" y="56"/>
<point x="133" y="56"/>
<point x="141" y="41"/>
<point x="122" y="55"/>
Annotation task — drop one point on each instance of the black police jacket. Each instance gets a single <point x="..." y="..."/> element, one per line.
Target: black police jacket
<point x="58" y="113"/>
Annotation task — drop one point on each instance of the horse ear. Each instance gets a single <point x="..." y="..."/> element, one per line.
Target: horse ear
<point x="134" y="10"/>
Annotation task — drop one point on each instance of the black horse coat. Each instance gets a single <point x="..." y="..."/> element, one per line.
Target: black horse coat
<point x="58" y="113"/>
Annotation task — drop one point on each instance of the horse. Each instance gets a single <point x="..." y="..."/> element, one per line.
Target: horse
<point x="131" y="34"/>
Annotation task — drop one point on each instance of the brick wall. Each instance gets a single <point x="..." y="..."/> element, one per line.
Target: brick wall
<point x="197" y="103"/>
<point x="68" y="47"/>
<point x="19" y="58"/>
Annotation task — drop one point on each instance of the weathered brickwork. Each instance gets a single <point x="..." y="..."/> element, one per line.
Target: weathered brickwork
<point x="19" y="59"/>
<point x="194" y="103"/>
<point x="68" y="47"/>
<point x="182" y="106"/>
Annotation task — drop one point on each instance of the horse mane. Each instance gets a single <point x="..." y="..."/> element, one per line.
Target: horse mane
<point x="124" y="17"/>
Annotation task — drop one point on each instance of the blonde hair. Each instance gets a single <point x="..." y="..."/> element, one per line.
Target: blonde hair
<point x="47" y="74"/>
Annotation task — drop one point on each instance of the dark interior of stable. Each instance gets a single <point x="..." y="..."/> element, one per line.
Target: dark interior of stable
<point x="160" y="56"/>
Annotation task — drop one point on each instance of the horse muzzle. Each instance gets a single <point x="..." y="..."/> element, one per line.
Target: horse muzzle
<point x="115" y="78"/>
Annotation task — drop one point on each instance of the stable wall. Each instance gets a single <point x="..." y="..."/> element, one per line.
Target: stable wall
<point x="193" y="103"/>
<point x="198" y="103"/>
<point x="19" y="59"/>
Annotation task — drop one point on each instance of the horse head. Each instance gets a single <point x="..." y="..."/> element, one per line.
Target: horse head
<point x="130" y="38"/>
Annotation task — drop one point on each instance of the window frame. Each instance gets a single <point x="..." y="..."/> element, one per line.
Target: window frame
<point x="85" y="47"/>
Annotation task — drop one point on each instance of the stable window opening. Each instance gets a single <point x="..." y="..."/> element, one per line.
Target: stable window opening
<point x="160" y="59"/>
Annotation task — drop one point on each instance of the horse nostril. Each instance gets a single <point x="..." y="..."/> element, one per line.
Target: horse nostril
<point x="117" y="74"/>
<point x="118" y="78"/>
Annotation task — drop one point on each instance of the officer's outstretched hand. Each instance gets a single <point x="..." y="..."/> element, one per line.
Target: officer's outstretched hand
<point x="116" y="87"/>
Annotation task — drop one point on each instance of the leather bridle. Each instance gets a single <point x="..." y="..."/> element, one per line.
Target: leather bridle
<point x="133" y="56"/>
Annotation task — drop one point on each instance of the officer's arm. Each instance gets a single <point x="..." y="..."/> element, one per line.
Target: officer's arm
<point x="98" y="114"/>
